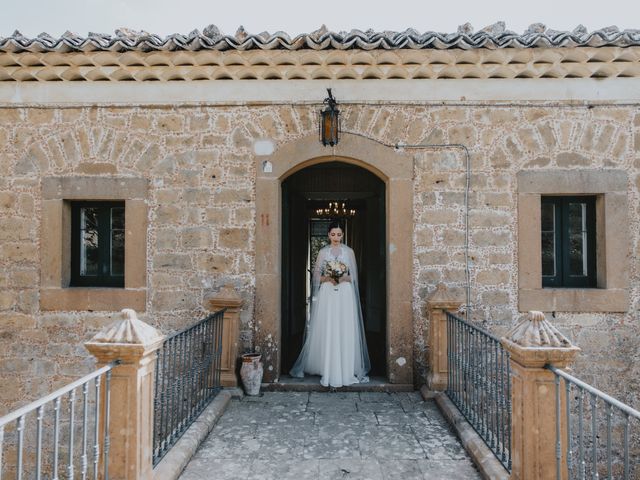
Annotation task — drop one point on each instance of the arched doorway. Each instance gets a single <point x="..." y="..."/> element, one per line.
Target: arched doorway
<point x="362" y="195"/>
<point x="395" y="169"/>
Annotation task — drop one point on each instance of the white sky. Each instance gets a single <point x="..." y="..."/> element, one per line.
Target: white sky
<point x="302" y="16"/>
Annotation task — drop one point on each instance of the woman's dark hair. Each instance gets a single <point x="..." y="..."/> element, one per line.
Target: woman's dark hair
<point x="335" y="224"/>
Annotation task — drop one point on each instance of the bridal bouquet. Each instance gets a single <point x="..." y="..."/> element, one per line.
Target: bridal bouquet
<point x="335" y="269"/>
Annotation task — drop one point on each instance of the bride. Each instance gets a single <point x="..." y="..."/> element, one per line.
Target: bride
<point x="334" y="345"/>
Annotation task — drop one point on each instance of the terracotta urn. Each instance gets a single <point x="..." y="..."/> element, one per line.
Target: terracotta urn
<point x="251" y="373"/>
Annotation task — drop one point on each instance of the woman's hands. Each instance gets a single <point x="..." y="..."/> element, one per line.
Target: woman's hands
<point x="328" y="279"/>
<point x="332" y="281"/>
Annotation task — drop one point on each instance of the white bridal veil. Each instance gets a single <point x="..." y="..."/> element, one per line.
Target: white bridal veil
<point x="362" y="363"/>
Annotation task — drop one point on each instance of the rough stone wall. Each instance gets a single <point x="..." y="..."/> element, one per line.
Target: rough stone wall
<point x="200" y="163"/>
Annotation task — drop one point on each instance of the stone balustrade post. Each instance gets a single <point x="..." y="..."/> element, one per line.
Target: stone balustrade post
<point x="532" y="344"/>
<point x="134" y="343"/>
<point x="441" y="300"/>
<point x="227" y="298"/>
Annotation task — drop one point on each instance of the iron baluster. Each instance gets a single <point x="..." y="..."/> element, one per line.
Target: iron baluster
<point x="20" y="431"/>
<point x="107" y="407"/>
<point x="456" y="362"/>
<point x="488" y="398"/>
<point x="508" y="401"/>
<point x="478" y="385"/>
<point x="157" y="391"/>
<point x="219" y="320"/>
<point x="558" y="441"/>
<point x="594" y="439"/>
<point x="609" y="465"/>
<point x="96" y="431"/>
<point x="1" y="447"/>
<point x="626" y="446"/>
<point x="206" y="364"/>
<point x="465" y="356"/>
<point x="567" y="387"/>
<point x="39" y="418"/>
<point x="56" y="436"/>
<point x="188" y="356"/>
<point x="582" y="462"/>
<point x="460" y="365"/>
<point x="202" y="362"/>
<point x="85" y="415"/>
<point x="451" y="385"/>
<point x="183" y="380"/>
<point x="494" y="395"/>
<point x="192" y="370"/>
<point x="171" y="352"/>
<point x="472" y="377"/>
<point x="197" y="355"/>
<point x="498" y="406"/>
<point x="176" y="382"/>
<point x="210" y="379"/>
<point x="72" y="405"/>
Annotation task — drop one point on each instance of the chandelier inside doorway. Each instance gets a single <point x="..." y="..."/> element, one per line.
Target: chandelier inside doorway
<point x="336" y="209"/>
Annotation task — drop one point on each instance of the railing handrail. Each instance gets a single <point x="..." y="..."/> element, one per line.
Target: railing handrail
<point x="622" y="406"/>
<point x="187" y="378"/>
<point x="52" y="396"/>
<point x="475" y="327"/>
<point x="190" y="327"/>
<point x="479" y="384"/>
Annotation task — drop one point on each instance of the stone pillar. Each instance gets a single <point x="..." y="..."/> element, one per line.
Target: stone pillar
<point x="532" y="344"/>
<point x="441" y="300"/>
<point x="134" y="343"/>
<point x="228" y="298"/>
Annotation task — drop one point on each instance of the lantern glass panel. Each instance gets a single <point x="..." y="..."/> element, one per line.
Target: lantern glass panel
<point x="329" y="127"/>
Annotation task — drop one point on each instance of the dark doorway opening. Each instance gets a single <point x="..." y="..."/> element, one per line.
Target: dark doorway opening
<point x="304" y="229"/>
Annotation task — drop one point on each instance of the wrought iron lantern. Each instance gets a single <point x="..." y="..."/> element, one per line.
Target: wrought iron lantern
<point x="329" y="121"/>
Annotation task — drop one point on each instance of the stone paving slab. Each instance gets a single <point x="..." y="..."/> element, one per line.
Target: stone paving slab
<point x="331" y="435"/>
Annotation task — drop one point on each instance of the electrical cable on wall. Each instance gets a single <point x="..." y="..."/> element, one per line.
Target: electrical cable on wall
<point x="401" y="146"/>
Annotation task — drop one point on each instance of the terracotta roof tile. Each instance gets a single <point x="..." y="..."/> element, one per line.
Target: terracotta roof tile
<point x="211" y="38"/>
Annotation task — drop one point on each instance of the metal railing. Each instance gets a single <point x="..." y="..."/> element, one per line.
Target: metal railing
<point x="187" y="380"/>
<point x="589" y="437"/>
<point x="55" y="416"/>
<point x="479" y="384"/>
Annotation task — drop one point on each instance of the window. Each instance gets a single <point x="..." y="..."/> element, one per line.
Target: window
<point x="568" y="241"/>
<point x="591" y="239"/>
<point x="129" y="288"/>
<point x="97" y="244"/>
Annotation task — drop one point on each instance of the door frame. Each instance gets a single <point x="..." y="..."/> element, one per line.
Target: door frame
<point x="367" y="193"/>
<point x="395" y="169"/>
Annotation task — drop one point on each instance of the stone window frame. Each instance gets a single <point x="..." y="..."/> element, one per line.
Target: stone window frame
<point x="55" y="244"/>
<point x="612" y="240"/>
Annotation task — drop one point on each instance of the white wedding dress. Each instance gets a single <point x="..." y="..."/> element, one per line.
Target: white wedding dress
<point x="334" y="346"/>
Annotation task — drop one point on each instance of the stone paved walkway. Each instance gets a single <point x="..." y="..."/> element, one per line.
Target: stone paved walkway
<point x="332" y="435"/>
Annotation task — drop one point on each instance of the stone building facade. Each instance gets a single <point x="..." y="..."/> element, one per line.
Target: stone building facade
<point x="199" y="163"/>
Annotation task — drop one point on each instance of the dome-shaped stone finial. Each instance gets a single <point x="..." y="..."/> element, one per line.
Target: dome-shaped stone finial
<point x="536" y="331"/>
<point x="128" y="330"/>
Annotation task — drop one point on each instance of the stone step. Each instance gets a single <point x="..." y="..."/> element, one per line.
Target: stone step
<point x="312" y="384"/>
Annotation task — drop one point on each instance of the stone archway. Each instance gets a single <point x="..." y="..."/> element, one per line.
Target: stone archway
<point x="395" y="168"/>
